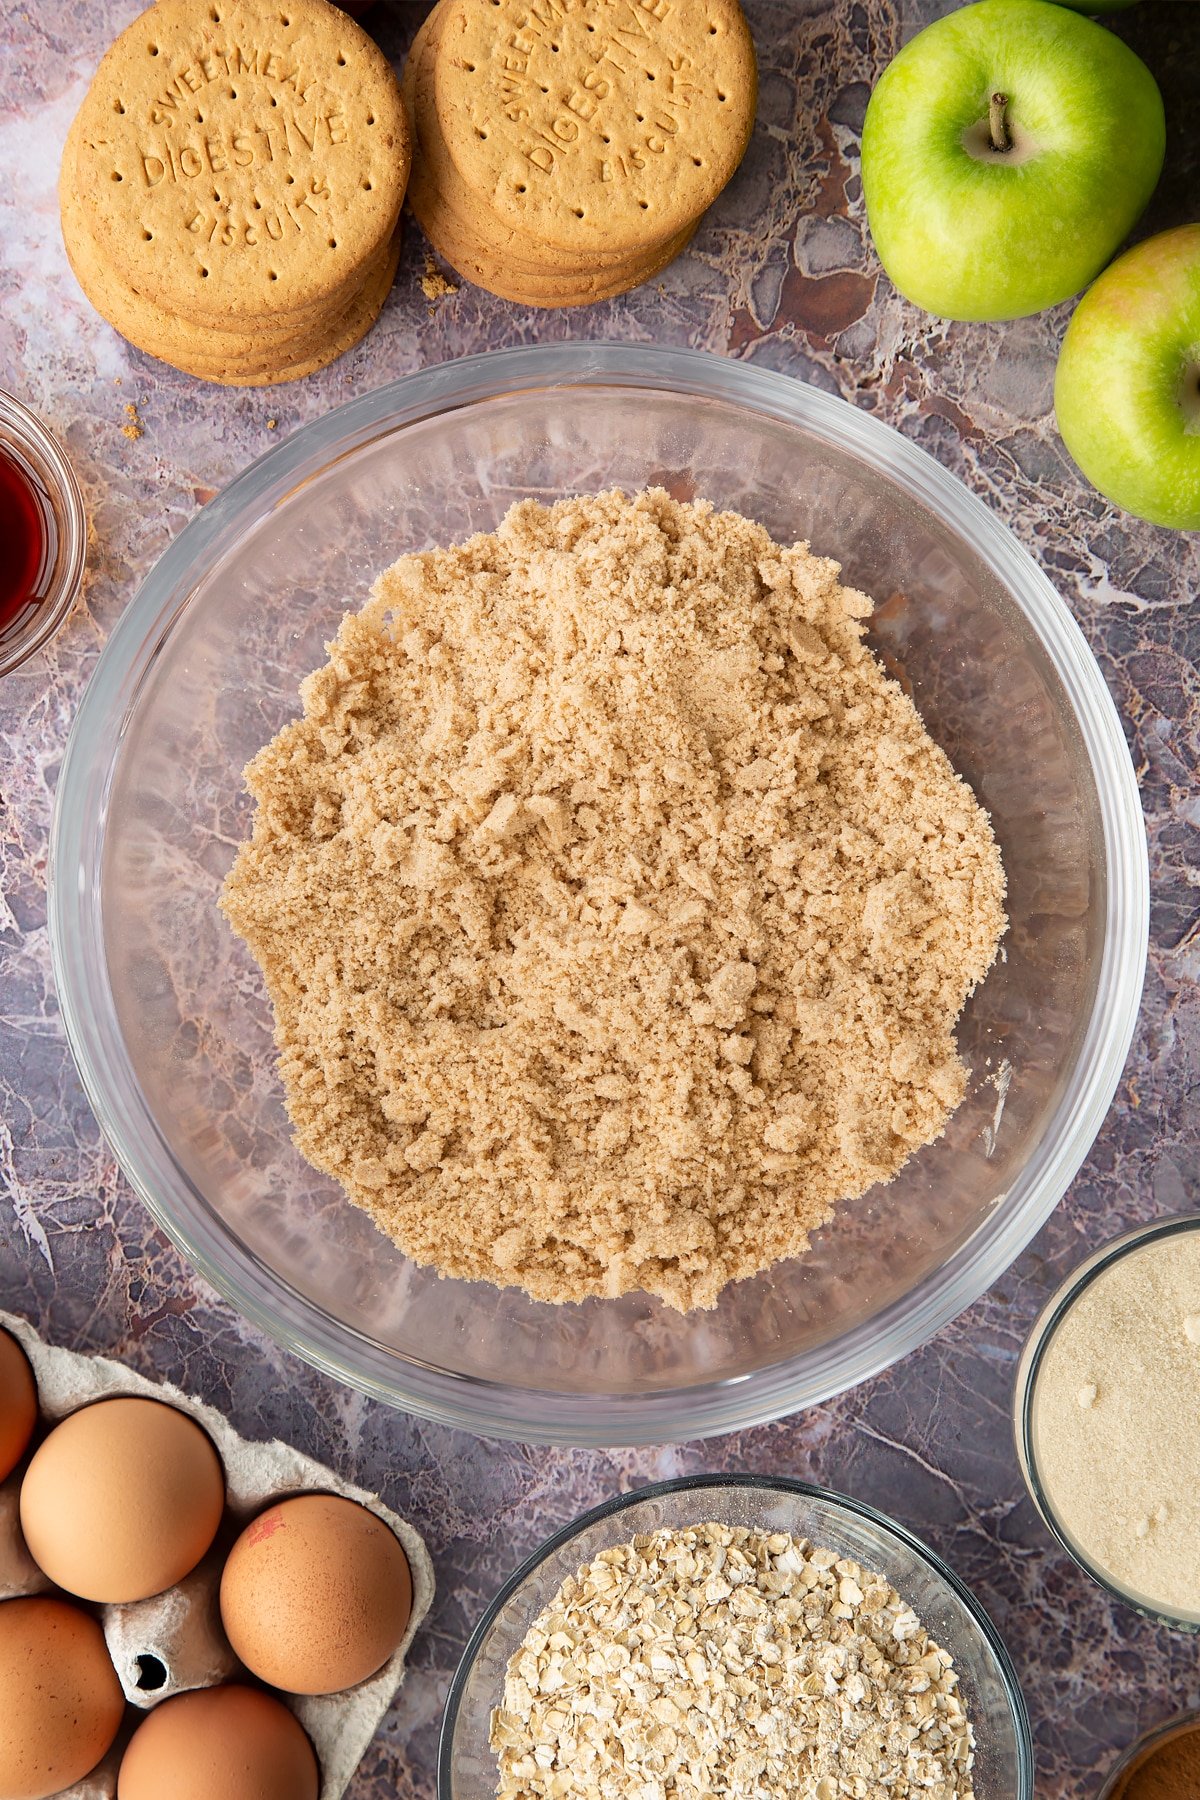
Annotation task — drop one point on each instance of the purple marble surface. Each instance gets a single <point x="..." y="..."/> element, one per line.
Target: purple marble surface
<point x="781" y="274"/>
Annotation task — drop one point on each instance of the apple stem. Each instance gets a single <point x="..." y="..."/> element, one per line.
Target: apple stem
<point x="998" y="123"/>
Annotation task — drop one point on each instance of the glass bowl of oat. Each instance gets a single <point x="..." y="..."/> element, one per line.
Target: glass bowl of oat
<point x="851" y="1646"/>
<point x="166" y="1011"/>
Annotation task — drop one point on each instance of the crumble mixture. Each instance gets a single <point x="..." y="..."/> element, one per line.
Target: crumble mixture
<point x="615" y="905"/>
<point x="718" y="1660"/>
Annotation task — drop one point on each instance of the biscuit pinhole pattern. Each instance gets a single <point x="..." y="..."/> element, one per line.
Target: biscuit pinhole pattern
<point x="283" y="348"/>
<point x="265" y="99"/>
<point x="595" y="125"/>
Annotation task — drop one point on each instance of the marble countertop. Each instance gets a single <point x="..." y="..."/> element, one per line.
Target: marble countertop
<point x="780" y="274"/>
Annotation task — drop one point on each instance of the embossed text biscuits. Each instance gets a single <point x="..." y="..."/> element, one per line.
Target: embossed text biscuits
<point x="269" y="354"/>
<point x="147" y="325"/>
<point x="334" y="341"/>
<point x="596" y="125"/>
<point x="486" y="251"/>
<point x="564" y="150"/>
<point x="239" y="160"/>
<point x="436" y="188"/>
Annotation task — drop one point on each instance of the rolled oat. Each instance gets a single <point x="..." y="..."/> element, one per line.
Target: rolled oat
<point x="720" y="1660"/>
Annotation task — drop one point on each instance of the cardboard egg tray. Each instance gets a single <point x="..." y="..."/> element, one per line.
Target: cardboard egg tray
<point x="175" y="1641"/>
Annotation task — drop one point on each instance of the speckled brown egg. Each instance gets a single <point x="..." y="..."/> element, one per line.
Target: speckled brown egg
<point x="60" y="1701"/>
<point x="18" y="1403"/>
<point x="122" y="1500"/>
<point x="224" y="1743"/>
<point x="19" y="1574"/>
<point x="316" y="1594"/>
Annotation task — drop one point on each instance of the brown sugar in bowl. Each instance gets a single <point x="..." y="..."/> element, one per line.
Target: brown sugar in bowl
<point x="1162" y="1765"/>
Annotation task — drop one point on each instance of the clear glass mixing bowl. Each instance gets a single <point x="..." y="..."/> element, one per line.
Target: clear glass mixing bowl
<point x="168" y="1019"/>
<point x="949" y="1611"/>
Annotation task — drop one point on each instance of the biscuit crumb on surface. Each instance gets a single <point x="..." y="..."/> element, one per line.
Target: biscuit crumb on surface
<point x="434" y="284"/>
<point x="133" y="427"/>
<point x="615" y="906"/>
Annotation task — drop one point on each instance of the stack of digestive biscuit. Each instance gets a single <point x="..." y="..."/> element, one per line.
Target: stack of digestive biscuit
<point x="564" y="150"/>
<point x="231" y="186"/>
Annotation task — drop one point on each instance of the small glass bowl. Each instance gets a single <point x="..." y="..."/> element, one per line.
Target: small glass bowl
<point x="1028" y="1369"/>
<point x="1142" y="1747"/>
<point x="1004" y="1765"/>
<point x="26" y="443"/>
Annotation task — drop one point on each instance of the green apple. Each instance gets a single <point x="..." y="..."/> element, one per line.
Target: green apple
<point x="1127" y="391"/>
<point x="1098" y="6"/>
<point x="1007" y="151"/>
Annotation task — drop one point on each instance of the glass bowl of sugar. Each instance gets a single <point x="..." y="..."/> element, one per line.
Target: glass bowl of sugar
<point x="1108" y="1390"/>
<point x="1163" y="1764"/>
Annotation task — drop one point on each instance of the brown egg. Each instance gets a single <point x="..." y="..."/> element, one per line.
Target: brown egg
<point x="62" y="1703"/>
<point x="19" y="1574"/>
<point x="122" y="1500"/>
<point x="18" y="1403"/>
<point x="316" y="1594"/>
<point x="223" y="1743"/>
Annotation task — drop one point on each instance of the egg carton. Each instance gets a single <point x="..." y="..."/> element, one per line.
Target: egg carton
<point x="174" y="1642"/>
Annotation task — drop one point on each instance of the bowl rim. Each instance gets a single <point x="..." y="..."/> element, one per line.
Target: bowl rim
<point x="350" y="1355"/>
<point x="779" y="1484"/>
<point x="1139" y="1748"/>
<point x="1029" y="1367"/>
<point x="51" y="462"/>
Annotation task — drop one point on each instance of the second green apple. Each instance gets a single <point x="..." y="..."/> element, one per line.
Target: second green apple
<point x="1007" y="152"/>
<point x="1127" y="389"/>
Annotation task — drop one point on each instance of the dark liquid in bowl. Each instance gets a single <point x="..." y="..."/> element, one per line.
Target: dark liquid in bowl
<point x="26" y="536"/>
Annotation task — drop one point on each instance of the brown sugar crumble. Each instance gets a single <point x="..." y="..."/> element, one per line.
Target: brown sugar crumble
<point x="616" y="907"/>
